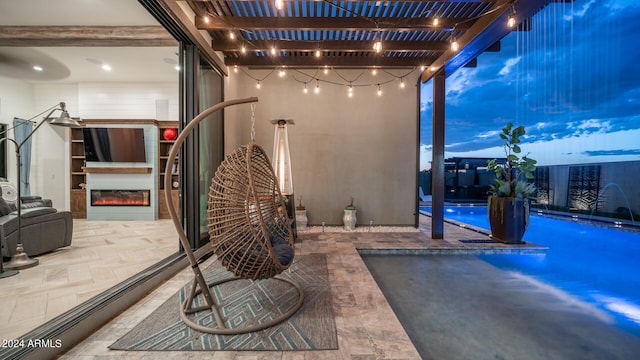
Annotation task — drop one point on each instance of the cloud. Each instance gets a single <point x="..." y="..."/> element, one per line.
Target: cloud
<point x="612" y="152"/>
<point x="573" y="76"/>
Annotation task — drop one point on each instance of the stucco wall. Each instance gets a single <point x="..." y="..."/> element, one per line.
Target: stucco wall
<point x="362" y="147"/>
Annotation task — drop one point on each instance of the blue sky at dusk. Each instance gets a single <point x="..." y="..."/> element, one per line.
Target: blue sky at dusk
<point x="572" y="81"/>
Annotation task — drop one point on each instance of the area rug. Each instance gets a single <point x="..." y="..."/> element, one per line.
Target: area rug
<point x="310" y="328"/>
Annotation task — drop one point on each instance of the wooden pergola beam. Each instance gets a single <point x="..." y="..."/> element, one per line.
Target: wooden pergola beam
<point x="330" y="45"/>
<point x="328" y="23"/>
<point x="341" y="61"/>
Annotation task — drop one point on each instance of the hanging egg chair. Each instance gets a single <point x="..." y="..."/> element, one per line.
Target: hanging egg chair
<point x="248" y="226"/>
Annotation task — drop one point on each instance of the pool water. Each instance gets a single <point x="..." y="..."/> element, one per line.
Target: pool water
<point x="599" y="265"/>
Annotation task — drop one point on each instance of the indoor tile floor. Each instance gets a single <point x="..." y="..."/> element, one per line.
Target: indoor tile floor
<point x="367" y="327"/>
<point x="101" y="254"/>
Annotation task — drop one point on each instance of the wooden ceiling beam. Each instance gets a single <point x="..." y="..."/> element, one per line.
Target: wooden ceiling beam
<point x="331" y="45"/>
<point x="85" y="36"/>
<point x="329" y="23"/>
<point x="341" y="61"/>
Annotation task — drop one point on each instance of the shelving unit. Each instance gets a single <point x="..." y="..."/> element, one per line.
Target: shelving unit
<point x="164" y="147"/>
<point x="78" y="175"/>
<point x="79" y="170"/>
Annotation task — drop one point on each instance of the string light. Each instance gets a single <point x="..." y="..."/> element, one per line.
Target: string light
<point x="454" y="45"/>
<point x="279" y="4"/>
<point x="422" y="67"/>
<point x="258" y="85"/>
<point x="379" y="90"/>
<point x="402" y="83"/>
<point x="282" y="73"/>
<point x="206" y="19"/>
<point x="436" y="22"/>
<point x="511" y="22"/>
<point x="232" y="36"/>
<point x="243" y="50"/>
<point x="326" y="70"/>
<point x="433" y="68"/>
<point x="235" y="68"/>
<point x="273" y="50"/>
<point x="374" y="72"/>
<point x="350" y="90"/>
<point x="317" y="89"/>
<point x="318" y="53"/>
<point x="305" y="88"/>
<point x="377" y="46"/>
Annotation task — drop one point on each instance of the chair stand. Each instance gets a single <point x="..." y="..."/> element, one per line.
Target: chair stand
<point x="222" y="329"/>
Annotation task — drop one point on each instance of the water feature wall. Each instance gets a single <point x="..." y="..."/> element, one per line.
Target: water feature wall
<point x="611" y="188"/>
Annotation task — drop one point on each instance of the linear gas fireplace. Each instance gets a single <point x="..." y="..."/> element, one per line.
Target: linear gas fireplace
<point x="120" y="197"/>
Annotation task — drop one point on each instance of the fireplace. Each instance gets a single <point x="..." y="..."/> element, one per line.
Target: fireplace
<point x="120" y="198"/>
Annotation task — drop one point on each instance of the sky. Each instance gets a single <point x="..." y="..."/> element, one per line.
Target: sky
<point x="572" y="81"/>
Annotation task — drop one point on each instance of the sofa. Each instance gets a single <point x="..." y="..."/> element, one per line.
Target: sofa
<point x="44" y="228"/>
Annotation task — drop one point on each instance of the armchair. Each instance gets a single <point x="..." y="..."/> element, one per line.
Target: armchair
<point x="44" y="228"/>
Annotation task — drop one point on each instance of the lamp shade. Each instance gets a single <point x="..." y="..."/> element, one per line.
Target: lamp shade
<point x="64" y="120"/>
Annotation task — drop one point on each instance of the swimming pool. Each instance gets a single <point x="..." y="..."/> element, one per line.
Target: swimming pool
<point x="597" y="264"/>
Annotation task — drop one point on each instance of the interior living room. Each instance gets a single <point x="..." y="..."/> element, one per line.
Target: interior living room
<point x="342" y="82"/>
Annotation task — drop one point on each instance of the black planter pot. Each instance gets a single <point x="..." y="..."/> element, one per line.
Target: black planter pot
<point x="508" y="218"/>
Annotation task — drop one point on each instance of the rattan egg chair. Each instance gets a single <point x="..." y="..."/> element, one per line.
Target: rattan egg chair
<point x="248" y="226"/>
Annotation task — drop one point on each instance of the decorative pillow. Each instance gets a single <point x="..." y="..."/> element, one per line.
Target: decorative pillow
<point x="5" y="209"/>
<point x="284" y="252"/>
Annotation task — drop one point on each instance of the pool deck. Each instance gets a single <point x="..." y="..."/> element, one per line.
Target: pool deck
<point x="367" y="327"/>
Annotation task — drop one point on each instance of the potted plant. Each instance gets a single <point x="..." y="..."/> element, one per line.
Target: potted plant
<point x="512" y="191"/>
<point x="349" y="219"/>
<point x="301" y="216"/>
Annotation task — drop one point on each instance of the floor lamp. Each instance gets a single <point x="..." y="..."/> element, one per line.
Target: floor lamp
<point x="20" y="260"/>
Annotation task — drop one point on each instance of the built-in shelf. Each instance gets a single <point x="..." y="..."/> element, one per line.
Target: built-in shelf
<point x="118" y="170"/>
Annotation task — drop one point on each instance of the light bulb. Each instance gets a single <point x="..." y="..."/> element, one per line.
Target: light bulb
<point x="326" y="71"/>
<point x="379" y="91"/>
<point x="317" y="89"/>
<point x="377" y="46"/>
<point x="279" y="4"/>
<point x="436" y="22"/>
<point x="206" y="19"/>
<point x="422" y="67"/>
<point x="232" y="36"/>
<point x="305" y="88"/>
<point x="273" y="50"/>
<point x="374" y="72"/>
<point x="258" y="85"/>
<point x="317" y="53"/>
<point x="402" y="83"/>
<point x="454" y="45"/>
<point x="235" y="68"/>
<point x="512" y="21"/>
<point x="282" y="73"/>
<point x="243" y="50"/>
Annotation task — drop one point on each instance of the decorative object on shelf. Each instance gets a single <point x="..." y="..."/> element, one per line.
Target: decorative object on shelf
<point x="508" y="204"/>
<point x="301" y="216"/>
<point x="170" y="134"/>
<point x="349" y="218"/>
<point x="20" y="260"/>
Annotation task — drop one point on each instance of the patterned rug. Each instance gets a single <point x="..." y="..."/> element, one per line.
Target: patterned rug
<point x="312" y="327"/>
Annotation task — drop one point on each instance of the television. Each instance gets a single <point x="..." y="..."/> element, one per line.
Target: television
<point x="114" y="144"/>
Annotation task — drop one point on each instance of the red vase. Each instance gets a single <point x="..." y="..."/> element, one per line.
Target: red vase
<point x="170" y="134"/>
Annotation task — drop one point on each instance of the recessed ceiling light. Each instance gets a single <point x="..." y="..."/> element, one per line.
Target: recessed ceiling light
<point x="106" y="67"/>
<point x="37" y="68"/>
